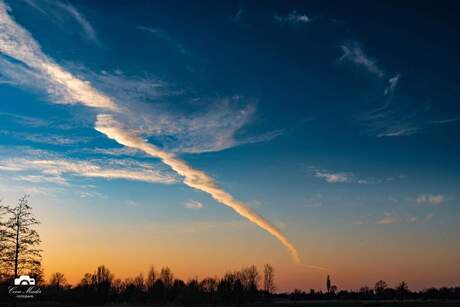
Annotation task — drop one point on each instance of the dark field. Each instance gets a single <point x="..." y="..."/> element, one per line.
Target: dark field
<point x="438" y="303"/>
<point x="369" y="304"/>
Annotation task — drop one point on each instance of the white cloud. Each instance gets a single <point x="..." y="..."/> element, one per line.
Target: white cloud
<point x="52" y="170"/>
<point x="398" y="130"/>
<point x="340" y="177"/>
<point x="333" y="177"/>
<point x="194" y="205"/>
<point x="387" y="219"/>
<point x="445" y="121"/>
<point x="430" y="199"/>
<point x="86" y="26"/>
<point x="392" y="120"/>
<point x="212" y="126"/>
<point x="132" y="203"/>
<point x="54" y="9"/>
<point x="46" y="138"/>
<point x="355" y="54"/>
<point x="165" y="36"/>
<point x="24" y="120"/>
<point x="293" y="18"/>
<point x="19" y="44"/>
<point x="392" y="83"/>
<point x="32" y="68"/>
<point x="237" y="17"/>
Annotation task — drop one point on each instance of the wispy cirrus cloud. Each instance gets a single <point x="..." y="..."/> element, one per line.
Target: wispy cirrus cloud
<point x="293" y="18"/>
<point x="391" y="120"/>
<point x="339" y="177"/>
<point x="430" y="199"/>
<point x="52" y="170"/>
<point x="28" y="121"/>
<point x="165" y="36"/>
<point x="55" y="10"/>
<point x="18" y="44"/>
<point x="355" y="54"/>
<point x="392" y="83"/>
<point x="43" y="138"/>
<point x="194" y="205"/>
<point x="40" y="72"/>
<point x="237" y="17"/>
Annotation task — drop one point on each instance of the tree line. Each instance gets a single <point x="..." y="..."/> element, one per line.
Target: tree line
<point x="20" y="254"/>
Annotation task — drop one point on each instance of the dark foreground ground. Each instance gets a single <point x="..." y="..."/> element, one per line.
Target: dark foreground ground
<point x="434" y="303"/>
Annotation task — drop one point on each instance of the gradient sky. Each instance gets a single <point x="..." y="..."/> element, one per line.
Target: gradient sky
<point x="338" y="123"/>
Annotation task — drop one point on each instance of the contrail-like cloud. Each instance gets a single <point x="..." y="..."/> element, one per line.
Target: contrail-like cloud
<point x="64" y="87"/>
<point x="194" y="178"/>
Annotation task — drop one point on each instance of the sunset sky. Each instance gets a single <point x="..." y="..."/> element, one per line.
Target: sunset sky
<point x="209" y="136"/>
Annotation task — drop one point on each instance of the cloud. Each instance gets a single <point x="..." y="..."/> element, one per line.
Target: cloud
<point x="27" y="121"/>
<point x="398" y="130"/>
<point x="193" y="178"/>
<point x="193" y="204"/>
<point x="293" y="18"/>
<point x="52" y="170"/>
<point x="392" y="83"/>
<point x="87" y="28"/>
<point x="237" y="17"/>
<point x="132" y="203"/>
<point x="339" y="177"/>
<point x="387" y="219"/>
<point x="391" y="120"/>
<point x="46" y="139"/>
<point x="333" y="177"/>
<point x="430" y="199"/>
<point x="32" y="68"/>
<point x="356" y="55"/>
<point x="445" y="121"/>
<point x="18" y="44"/>
<point x="54" y="10"/>
<point x="165" y="36"/>
<point x="212" y="128"/>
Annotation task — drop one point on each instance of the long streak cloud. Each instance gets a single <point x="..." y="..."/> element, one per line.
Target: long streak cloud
<point x="18" y="43"/>
<point x="192" y="177"/>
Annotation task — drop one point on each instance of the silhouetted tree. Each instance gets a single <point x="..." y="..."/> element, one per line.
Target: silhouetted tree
<point x="380" y="287"/>
<point x="58" y="281"/>
<point x="101" y="283"/>
<point x="21" y="252"/>
<point x="402" y="289"/>
<point x="166" y="277"/>
<point x="249" y="278"/>
<point x="150" y="280"/>
<point x="269" y="279"/>
<point x="3" y="241"/>
<point x="328" y="284"/>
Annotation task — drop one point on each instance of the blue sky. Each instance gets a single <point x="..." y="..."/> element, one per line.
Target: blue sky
<point x="339" y="118"/>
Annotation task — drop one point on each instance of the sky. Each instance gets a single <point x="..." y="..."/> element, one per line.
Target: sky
<point x="209" y="136"/>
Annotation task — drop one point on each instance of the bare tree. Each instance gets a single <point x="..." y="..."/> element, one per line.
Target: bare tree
<point x="3" y="241"/>
<point x="167" y="277"/>
<point x="21" y="253"/>
<point x="269" y="279"/>
<point x="58" y="281"/>
<point x="151" y="278"/>
<point x="379" y="287"/>
<point x="250" y="278"/>
<point x="402" y="289"/>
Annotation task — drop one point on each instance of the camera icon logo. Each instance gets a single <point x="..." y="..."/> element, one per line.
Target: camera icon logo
<point x="24" y="280"/>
